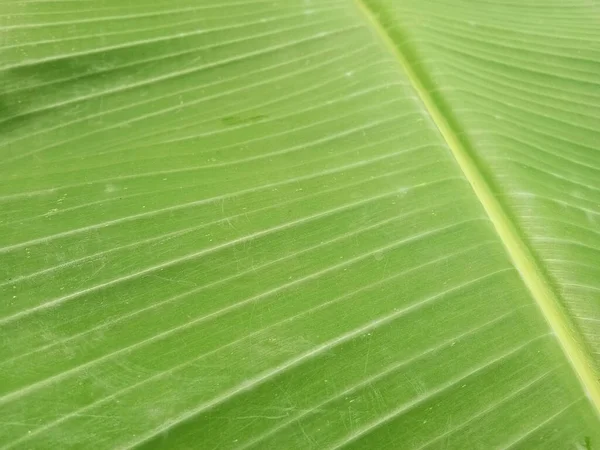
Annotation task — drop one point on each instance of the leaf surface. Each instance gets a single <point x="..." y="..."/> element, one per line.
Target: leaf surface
<point x="256" y="224"/>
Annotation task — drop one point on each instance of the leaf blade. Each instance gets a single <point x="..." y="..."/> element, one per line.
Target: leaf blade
<point x="315" y="269"/>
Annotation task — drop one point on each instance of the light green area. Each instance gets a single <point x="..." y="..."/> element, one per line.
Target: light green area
<point x="299" y="224"/>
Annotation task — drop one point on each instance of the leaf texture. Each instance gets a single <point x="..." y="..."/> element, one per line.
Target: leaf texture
<point x="299" y="224"/>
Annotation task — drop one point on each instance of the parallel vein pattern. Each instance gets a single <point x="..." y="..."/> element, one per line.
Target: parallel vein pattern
<point x="233" y="224"/>
<point x="526" y="98"/>
<point x="531" y="272"/>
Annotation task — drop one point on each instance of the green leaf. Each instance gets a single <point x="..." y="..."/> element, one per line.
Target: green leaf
<point x="300" y="224"/>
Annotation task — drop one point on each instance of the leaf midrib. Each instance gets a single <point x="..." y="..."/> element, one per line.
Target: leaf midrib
<point x="520" y="253"/>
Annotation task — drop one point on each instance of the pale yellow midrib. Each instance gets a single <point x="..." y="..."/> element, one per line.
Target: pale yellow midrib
<point x="520" y="254"/>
